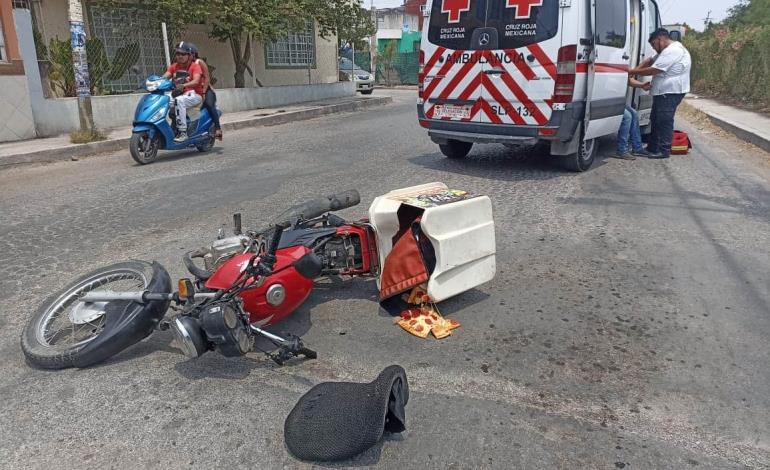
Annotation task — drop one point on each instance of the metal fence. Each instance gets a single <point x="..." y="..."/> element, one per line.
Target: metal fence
<point x="124" y="45"/>
<point x="400" y="69"/>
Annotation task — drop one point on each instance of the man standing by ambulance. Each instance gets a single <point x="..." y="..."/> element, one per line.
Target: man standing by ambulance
<point x="670" y="71"/>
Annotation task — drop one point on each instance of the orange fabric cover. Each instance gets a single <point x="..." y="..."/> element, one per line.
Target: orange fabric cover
<point x="404" y="267"/>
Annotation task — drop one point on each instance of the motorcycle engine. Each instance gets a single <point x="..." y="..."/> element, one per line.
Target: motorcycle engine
<point x="226" y="330"/>
<point x="342" y="253"/>
<point x="221" y="250"/>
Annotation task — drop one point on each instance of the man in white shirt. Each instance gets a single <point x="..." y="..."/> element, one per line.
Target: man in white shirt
<point x="670" y="71"/>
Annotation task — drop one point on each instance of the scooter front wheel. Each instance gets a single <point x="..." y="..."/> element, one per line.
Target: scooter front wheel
<point x="144" y="149"/>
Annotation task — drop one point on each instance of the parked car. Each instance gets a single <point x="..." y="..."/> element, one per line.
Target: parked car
<point x="363" y="79"/>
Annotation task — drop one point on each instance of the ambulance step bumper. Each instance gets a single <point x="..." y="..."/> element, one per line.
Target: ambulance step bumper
<point x="441" y="137"/>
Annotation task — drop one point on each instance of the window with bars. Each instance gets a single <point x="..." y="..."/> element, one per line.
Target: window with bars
<point x="294" y="50"/>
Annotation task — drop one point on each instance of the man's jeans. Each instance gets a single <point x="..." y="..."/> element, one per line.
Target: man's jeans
<point x="662" y="120"/>
<point x="184" y="101"/>
<point x="629" y="127"/>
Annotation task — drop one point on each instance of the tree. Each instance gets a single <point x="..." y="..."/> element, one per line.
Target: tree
<point x="352" y="23"/>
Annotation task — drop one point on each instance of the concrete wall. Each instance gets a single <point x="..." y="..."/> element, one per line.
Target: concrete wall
<point x="16" y="121"/>
<point x="59" y="116"/>
<point x="16" y="117"/>
<point x="53" y="19"/>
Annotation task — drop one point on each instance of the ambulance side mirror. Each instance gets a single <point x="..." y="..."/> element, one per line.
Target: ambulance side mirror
<point x="675" y="35"/>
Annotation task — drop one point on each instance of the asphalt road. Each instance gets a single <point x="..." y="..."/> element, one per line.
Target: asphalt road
<point x="626" y="327"/>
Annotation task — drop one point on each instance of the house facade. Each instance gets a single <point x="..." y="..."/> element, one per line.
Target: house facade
<point x="125" y="45"/>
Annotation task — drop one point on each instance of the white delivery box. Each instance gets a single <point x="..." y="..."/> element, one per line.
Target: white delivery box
<point x="459" y="226"/>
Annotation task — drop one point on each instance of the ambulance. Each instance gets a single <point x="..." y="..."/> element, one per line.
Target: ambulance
<point x="515" y="72"/>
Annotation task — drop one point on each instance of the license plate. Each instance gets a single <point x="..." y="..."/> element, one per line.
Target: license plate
<point x="452" y="111"/>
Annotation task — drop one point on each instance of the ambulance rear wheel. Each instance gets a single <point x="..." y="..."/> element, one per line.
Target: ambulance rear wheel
<point x="581" y="160"/>
<point x="456" y="149"/>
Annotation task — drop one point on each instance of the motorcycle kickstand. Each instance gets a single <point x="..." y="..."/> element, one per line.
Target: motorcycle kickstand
<point x="289" y="347"/>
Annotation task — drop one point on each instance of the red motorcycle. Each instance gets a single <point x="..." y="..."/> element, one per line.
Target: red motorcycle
<point x="247" y="281"/>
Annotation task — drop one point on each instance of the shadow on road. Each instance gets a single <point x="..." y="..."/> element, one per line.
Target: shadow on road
<point x="508" y="163"/>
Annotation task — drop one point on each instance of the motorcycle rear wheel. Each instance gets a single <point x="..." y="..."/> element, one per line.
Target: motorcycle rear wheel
<point x="62" y="326"/>
<point x="143" y="148"/>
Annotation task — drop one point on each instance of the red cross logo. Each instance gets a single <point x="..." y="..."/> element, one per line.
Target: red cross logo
<point x="455" y="7"/>
<point x="523" y="7"/>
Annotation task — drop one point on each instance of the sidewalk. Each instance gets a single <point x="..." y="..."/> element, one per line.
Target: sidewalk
<point x="749" y="126"/>
<point x="58" y="148"/>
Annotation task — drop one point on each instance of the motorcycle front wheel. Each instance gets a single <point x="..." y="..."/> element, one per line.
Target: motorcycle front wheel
<point x="62" y="326"/>
<point x="143" y="148"/>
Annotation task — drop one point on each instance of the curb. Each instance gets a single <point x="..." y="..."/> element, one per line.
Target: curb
<point x="742" y="133"/>
<point x="113" y="145"/>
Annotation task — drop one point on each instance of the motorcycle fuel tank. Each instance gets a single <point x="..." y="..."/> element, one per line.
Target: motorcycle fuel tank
<point x="281" y="293"/>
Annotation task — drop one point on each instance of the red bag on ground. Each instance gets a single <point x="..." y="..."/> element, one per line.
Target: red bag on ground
<point x="680" y="144"/>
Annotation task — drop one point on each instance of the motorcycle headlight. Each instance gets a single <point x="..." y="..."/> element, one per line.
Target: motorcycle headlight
<point x="152" y="85"/>
<point x="159" y="114"/>
<point x="189" y="336"/>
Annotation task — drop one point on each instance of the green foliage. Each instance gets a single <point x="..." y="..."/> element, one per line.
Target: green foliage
<point x="352" y="23"/>
<point x="386" y="58"/>
<point x="749" y="12"/>
<point x="732" y="60"/>
<point x="61" y="73"/>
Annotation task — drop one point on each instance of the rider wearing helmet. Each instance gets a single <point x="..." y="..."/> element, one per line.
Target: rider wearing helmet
<point x="192" y="87"/>
<point x="209" y="97"/>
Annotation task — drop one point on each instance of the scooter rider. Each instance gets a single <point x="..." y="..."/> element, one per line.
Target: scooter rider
<point x="192" y="89"/>
<point x="209" y="97"/>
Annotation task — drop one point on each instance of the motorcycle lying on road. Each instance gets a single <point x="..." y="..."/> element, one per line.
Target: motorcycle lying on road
<point x="246" y="281"/>
<point x="423" y="235"/>
<point x="155" y="123"/>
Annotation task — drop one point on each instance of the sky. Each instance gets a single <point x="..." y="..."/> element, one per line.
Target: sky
<point x="692" y="12"/>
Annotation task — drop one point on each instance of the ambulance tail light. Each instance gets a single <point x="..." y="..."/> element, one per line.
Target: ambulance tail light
<point x="566" y="69"/>
<point x="420" y="77"/>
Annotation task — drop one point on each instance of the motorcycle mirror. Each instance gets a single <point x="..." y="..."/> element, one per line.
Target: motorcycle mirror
<point x="237" y="228"/>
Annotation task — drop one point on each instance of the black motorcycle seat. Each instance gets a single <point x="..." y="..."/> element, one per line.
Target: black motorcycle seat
<point x="338" y="420"/>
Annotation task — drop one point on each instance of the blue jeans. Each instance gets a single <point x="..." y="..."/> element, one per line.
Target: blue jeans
<point x="629" y="127"/>
<point x="662" y="120"/>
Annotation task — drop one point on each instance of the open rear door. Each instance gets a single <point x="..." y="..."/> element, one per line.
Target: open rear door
<point x="452" y="62"/>
<point x="608" y="67"/>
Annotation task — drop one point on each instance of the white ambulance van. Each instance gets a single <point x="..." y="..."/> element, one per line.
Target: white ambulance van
<point x="532" y="71"/>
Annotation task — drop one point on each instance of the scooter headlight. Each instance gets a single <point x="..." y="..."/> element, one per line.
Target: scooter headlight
<point x="152" y="85"/>
<point x="159" y="114"/>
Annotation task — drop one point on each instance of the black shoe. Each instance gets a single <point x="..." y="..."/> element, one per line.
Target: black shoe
<point x="623" y="156"/>
<point x="657" y="155"/>
<point x="640" y="153"/>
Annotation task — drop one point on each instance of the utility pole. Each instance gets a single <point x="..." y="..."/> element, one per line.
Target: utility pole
<point x="80" y="65"/>
<point x="373" y="43"/>
<point x="707" y="20"/>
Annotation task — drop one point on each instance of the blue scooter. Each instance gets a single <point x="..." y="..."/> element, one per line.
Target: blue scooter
<point x="155" y="124"/>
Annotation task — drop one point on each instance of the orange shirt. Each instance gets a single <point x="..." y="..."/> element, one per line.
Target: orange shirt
<point x="192" y="69"/>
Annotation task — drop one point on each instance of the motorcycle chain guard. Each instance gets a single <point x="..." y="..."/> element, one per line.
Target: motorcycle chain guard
<point x="127" y="322"/>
